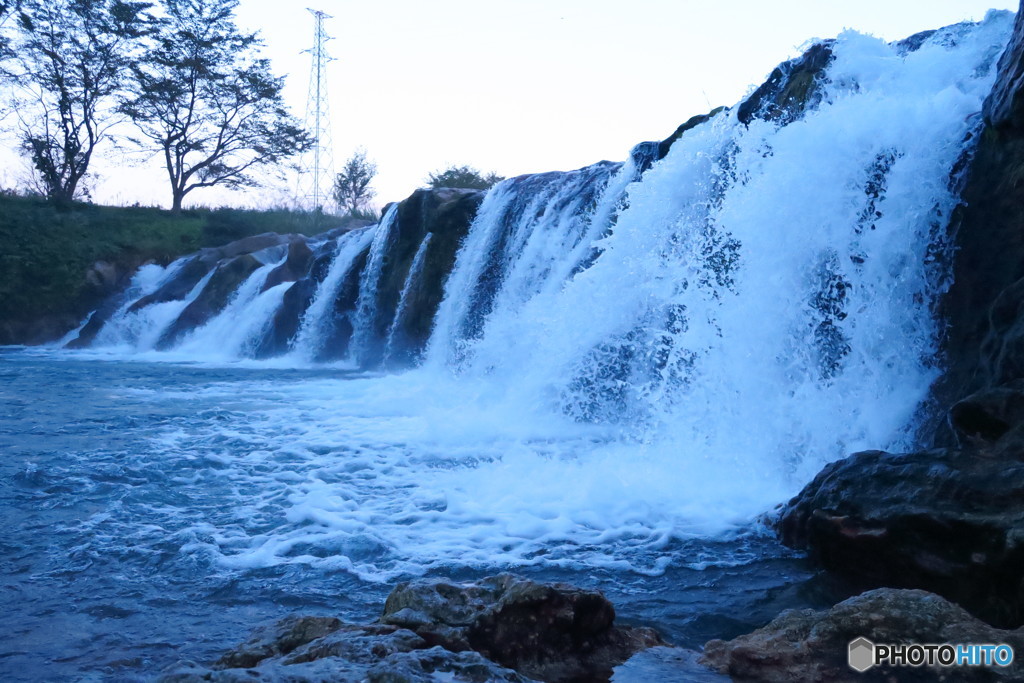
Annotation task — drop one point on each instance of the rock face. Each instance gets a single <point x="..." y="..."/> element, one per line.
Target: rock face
<point x="498" y="629"/>
<point x="791" y="88"/>
<point x="811" y="646"/>
<point x="950" y="521"/>
<point x="444" y="215"/>
<point x="984" y="345"/>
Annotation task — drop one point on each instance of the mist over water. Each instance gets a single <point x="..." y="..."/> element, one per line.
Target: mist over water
<point x="625" y="372"/>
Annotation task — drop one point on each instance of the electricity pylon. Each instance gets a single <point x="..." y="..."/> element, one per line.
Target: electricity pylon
<point x="316" y="174"/>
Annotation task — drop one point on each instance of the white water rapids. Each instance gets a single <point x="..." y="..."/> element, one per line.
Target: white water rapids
<point x="617" y="365"/>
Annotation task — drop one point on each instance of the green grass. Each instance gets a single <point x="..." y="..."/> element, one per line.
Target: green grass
<point x="46" y="249"/>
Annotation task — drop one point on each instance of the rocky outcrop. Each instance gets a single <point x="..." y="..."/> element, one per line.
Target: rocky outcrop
<point x="295" y="266"/>
<point x="501" y="628"/>
<point x="445" y="214"/>
<point x="947" y="520"/>
<point x="984" y="308"/>
<point x="791" y="88"/>
<point x="234" y="262"/>
<point x="552" y="632"/>
<point x="812" y="646"/>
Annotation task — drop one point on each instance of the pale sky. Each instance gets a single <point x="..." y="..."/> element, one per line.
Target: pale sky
<point x="528" y="86"/>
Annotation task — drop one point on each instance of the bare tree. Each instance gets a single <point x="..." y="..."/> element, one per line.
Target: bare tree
<point x="209" y="102"/>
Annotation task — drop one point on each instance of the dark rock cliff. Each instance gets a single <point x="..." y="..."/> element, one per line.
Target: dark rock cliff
<point x="984" y="345"/>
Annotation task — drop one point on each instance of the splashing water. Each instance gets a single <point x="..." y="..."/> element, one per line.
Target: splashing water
<point x="624" y="362"/>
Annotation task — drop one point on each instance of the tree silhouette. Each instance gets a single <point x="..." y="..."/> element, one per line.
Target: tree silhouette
<point x="352" y="186"/>
<point x="209" y="102"/>
<point x="67" y="63"/>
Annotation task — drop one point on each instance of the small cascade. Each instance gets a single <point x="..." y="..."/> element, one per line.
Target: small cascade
<point x="390" y="350"/>
<point x="315" y="327"/>
<point x="530" y="234"/>
<point x="366" y="324"/>
<point x="235" y="329"/>
<point x="139" y="329"/>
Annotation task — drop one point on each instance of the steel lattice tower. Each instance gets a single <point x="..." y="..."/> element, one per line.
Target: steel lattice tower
<point x="316" y="175"/>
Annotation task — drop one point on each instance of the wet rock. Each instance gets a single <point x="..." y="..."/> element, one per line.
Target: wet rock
<point x="287" y="319"/>
<point x="498" y="629"/>
<point x="428" y="665"/>
<point x="249" y="245"/>
<point x="295" y="266"/>
<point x="989" y="415"/>
<point x="1004" y="107"/>
<point x="812" y="646"/>
<point x="791" y="89"/>
<point x="178" y="287"/>
<point x="984" y="307"/>
<point x="552" y="632"/>
<point x="665" y="145"/>
<point x="950" y="521"/>
<point x="445" y="214"/>
<point x="279" y="639"/>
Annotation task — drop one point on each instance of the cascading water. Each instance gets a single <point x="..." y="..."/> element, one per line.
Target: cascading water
<point x="139" y="330"/>
<point x="632" y="354"/>
<point x="236" y="329"/>
<point x="403" y="300"/>
<point x="364" y="333"/>
<point x="313" y="332"/>
<point x="618" y="370"/>
<point x="530" y="234"/>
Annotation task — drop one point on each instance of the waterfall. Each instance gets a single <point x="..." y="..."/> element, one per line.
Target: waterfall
<point x="313" y="331"/>
<point x="403" y="301"/>
<point x="139" y="330"/>
<point x="365" y="337"/>
<point x="764" y="294"/>
<point x="612" y="360"/>
<point x="764" y="283"/>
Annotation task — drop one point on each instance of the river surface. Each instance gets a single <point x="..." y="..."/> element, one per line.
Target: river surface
<point x="157" y="512"/>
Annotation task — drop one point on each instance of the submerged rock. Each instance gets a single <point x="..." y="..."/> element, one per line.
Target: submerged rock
<point x="812" y="646"/>
<point x="501" y="628"/>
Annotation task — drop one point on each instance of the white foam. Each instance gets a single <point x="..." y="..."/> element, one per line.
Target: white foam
<point x="752" y="311"/>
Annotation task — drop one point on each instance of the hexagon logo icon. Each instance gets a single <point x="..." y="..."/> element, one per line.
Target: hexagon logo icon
<point x="861" y="656"/>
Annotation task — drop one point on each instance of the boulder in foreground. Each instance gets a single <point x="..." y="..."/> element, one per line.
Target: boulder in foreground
<point x="812" y="646"/>
<point x="501" y="628"/>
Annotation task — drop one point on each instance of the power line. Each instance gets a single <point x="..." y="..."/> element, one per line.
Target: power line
<point x="316" y="173"/>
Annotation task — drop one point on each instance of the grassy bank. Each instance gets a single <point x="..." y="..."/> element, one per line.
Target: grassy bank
<point x="46" y="250"/>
